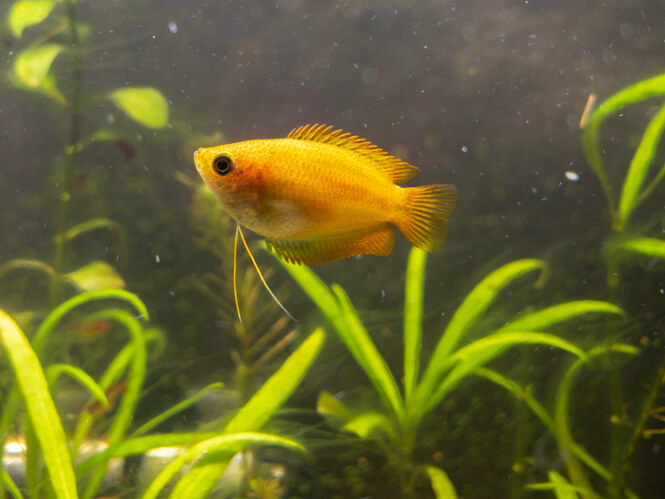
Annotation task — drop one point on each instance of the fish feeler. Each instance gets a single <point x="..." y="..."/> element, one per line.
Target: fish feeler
<point x="258" y="271"/>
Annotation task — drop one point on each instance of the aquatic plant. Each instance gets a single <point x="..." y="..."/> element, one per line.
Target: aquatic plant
<point x="451" y="362"/>
<point x="264" y="332"/>
<point x="33" y="72"/>
<point x="627" y="240"/>
<point x="45" y="436"/>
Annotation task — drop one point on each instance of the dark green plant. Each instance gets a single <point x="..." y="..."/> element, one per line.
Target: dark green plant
<point x="32" y="71"/>
<point x="639" y="185"/>
<point x="452" y="361"/>
<point x="265" y="331"/>
<point x="46" y="438"/>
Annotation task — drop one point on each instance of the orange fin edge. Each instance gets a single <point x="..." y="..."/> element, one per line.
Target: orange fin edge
<point x="395" y="169"/>
<point x="377" y="240"/>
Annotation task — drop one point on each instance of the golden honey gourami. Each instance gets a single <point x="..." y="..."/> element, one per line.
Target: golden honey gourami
<point x="320" y="195"/>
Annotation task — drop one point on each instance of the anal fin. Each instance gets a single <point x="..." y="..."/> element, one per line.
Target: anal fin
<point x="377" y="240"/>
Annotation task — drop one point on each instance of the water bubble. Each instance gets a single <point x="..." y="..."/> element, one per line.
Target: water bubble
<point x="465" y="149"/>
<point x="173" y="27"/>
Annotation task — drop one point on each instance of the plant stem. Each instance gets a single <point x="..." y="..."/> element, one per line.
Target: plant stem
<point x="74" y="134"/>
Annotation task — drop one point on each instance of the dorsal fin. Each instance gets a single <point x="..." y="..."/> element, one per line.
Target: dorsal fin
<point x="395" y="169"/>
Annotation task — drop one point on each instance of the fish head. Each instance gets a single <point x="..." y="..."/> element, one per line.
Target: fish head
<point x="235" y="173"/>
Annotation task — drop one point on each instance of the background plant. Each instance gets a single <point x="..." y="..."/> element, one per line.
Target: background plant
<point x="627" y="239"/>
<point x="34" y="70"/>
<point x="451" y="362"/>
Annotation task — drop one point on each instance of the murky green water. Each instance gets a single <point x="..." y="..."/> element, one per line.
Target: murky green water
<point x="102" y="106"/>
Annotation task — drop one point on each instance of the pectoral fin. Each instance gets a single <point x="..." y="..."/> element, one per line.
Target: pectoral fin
<point x="378" y="240"/>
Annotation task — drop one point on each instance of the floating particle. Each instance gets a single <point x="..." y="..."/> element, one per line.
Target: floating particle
<point x="572" y="176"/>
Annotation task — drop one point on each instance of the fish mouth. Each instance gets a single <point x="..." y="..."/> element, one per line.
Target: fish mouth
<point x="199" y="158"/>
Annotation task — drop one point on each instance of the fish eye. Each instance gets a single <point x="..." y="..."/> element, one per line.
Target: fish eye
<point x="223" y="165"/>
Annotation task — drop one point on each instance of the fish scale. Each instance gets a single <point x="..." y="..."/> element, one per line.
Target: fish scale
<point x="320" y="195"/>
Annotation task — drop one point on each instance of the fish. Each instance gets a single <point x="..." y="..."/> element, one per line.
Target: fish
<point x="320" y="195"/>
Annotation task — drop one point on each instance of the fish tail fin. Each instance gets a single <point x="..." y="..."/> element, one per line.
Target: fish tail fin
<point x="425" y="217"/>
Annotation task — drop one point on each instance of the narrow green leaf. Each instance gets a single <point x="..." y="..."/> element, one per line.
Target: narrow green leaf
<point x="543" y="319"/>
<point x="228" y="442"/>
<point x="368" y="424"/>
<point x="413" y="318"/>
<point x="278" y="388"/>
<point x="317" y="291"/>
<point x="562" y="489"/>
<point x="33" y="64"/>
<point x="361" y="346"/>
<point x="482" y="351"/>
<point x="441" y="485"/>
<point x="543" y="415"/>
<point x="328" y="405"/>
<point x="139" y="445"/>
<point x="646" y="89"/>
<point x="95" y="223"/>
<point x="39" y="407"/>
<point x="25" y="13"/>
<point x="473" y="306"/>
<point x="145" y="105"/>
<point x="645" y="246"/>
<point x="137" y="372"/>
<point x="639" y="167"/>
<point x="23" y="263"/>
<point x="95" y="276"/>
<point x="251" y="417"/>
<point x="61" y="310"/>
<point x="7" y="481"/>
<point x="55" y="370"/>
<point x="176" y="409"/>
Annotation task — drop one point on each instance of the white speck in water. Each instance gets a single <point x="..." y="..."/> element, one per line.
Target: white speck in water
<point x="172" y="293"/>
<point x="173" y="27"/>
<point x="572" y="176"/>
<point x="662" y="291"/>
<point x="465" y="149"/>
<point x="534" y="190"/>
<point x="156" y="258"/>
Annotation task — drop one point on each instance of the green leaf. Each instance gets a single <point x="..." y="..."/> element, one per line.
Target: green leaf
<point x="7" y="481"/>
<point x="639" y="167"/>
<point x="145" y="105"/>
<point x="228" y="442"/>
<point x="482" y="351"/>
<point x="441" y="485"/>
<point x="32" y="65"/>
<point x="95" y="277"/>
<point x="83" y="378"/>
<point x="550" y="316"/>
<point x="137" y="372"/>
<point x="253" y="415"/>
<point x="562" y="489"/>
<point x="646" y="89"/>
<point x="95" y="223"/>
<point x="139" y="445"/>
<point x="413" y="317"/>
<point x="26" y="13"/>
<point x="328" y="405"/>
<point x="39" y="407"/>
<point x="368" y="424"/>
<point x="52" y="319"/>
<point x="363" y="349"/>
<point x="23" y="263"/>
<point x="644" y="246"/>
<point x="340" y="312"/>
<point x="278" y="388"/>
<point x="473" y="306"/>
<point x="179" y="407"/>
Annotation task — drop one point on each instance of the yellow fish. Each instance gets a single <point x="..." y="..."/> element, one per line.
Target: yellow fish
<point x="320" y="195"/>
